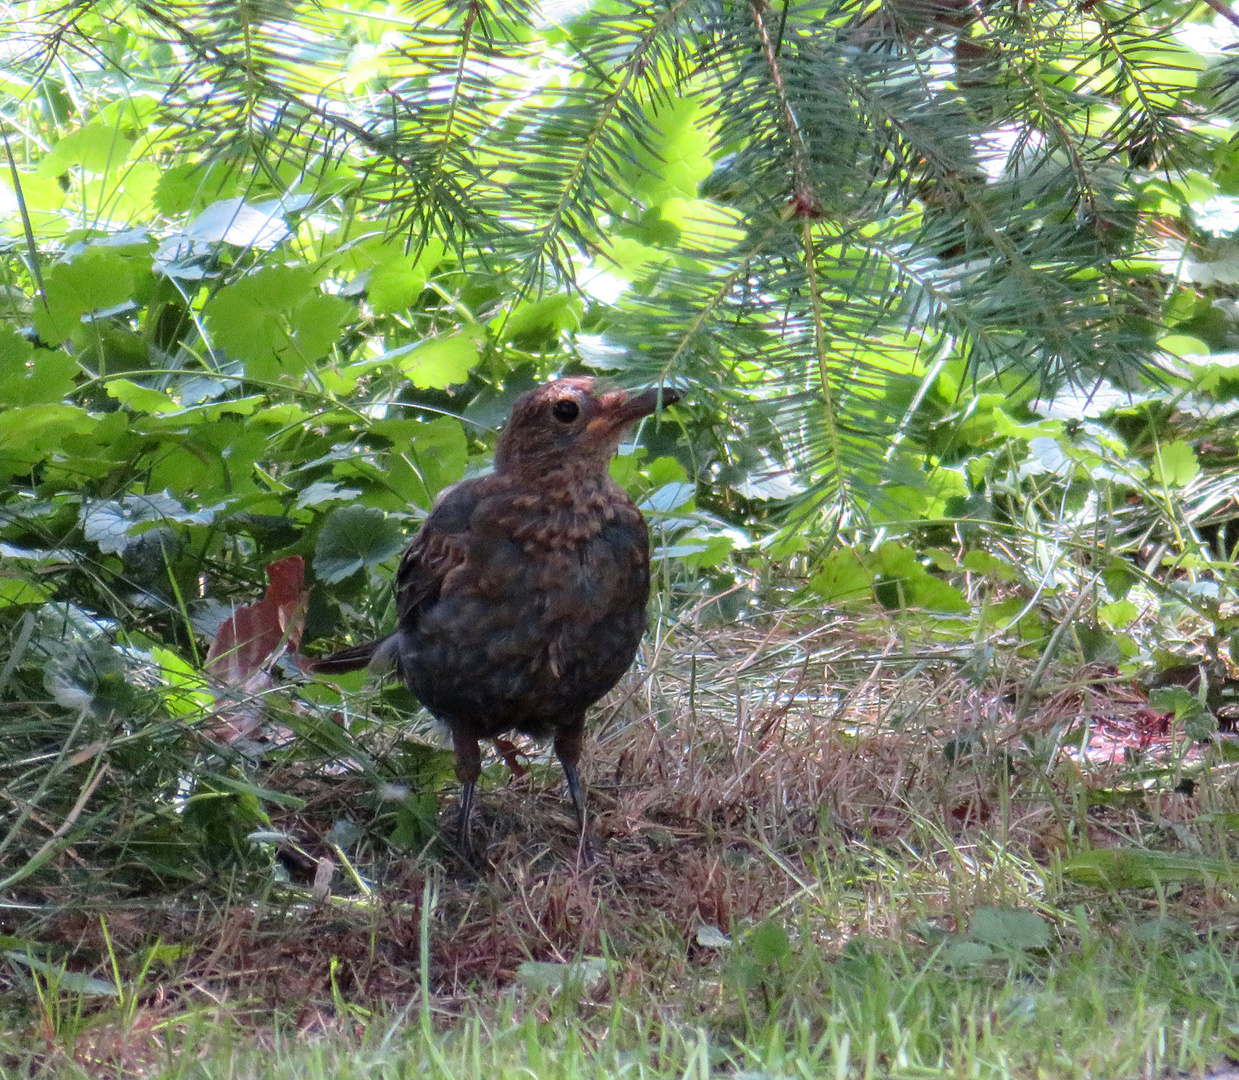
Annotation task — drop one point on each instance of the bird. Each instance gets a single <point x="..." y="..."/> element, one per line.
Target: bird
<point x="522" y="598"/>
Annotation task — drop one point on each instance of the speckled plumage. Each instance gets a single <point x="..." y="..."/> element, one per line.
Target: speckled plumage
<point x="521" y="600"/>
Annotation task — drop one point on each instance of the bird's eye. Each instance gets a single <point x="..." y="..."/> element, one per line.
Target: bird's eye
<point x="566" y="410"/>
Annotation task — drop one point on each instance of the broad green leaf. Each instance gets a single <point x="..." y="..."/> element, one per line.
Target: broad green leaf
<point x="140" y="398"/>
<point x="42" y="427"/>
<point x="442" y="361"/>
<point x="665" y="470"/>
<point x="1178" y="700"/>
<point x="187" y="692"/>
<point x="323" y="491"/>
<point x="96" y="147"/>
<point x="982" y="562"/>
<point x="673" y="157"/>
<point x="111" y="523"/>
<point x="1183" y="345"/>
<point x="1009" y="928"/>
<point x="354" y="537"/>
<point x="630" y="258"/>
<point x="1118" y="615"/>
<point x="966" y="954"/>
<point x="276" y="320"/>
<point x="904" y="582"/>
<point x="426" y="456"/>
<point x="248" y="318"/>
<point x="315" y="325"/>
<point x="714" y="552"/>
<point x="703" y="224"/>
<point x="440" y="453"/>
<point x="397" y="283"/>
<point x="98" y="278"/>
<point x="841" y="578"/>
<point x="33" y="378"/>
<point x="1175" y="465"/>
<point x="20" y="591"/>
<point x="541" y="319"/>
<point x="193" y="186"/>
<point x="769" y="943"/>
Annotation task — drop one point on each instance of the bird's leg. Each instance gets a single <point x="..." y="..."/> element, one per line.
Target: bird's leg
<point x="568" y="750"/>
<point x="468" y="769"/>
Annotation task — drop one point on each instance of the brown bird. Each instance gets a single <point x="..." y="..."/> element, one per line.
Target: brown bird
<point x="522" y="598"/>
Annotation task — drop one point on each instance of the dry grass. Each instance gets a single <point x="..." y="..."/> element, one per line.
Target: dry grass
<point x="825" y="775"/>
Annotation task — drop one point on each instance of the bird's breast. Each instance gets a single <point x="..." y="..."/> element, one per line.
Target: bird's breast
<point x="564" y="520"/>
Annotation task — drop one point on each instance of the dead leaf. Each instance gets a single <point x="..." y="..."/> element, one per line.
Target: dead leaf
<point x="249" y="641"/>
<point x="255" y="635"/>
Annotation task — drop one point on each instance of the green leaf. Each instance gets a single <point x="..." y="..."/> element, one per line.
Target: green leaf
<point x="842" y="578"/>
<point x="315" y="324"/>
<point x="534" y="321"/>
<point x="426" y="456"/>
<point x="140" y="398"/>
<point x="98" y="278"/>
<point x="354" y="537"/>
<point x="73" y="982"/>
<point x="442" y="361"/>
<point x="1137" y="868"/>
<point x="394" y="285"/>
<point x="1009" y="928"/>
<point x="14" y="591"/>
<point x="769" y="943"/>
<point x="966" y="954"/>
<point x="440" y="452"/>
<point x="33" y="378"/>
<point x="194" y="186"/>
<point x="96" y="147"/>
<point x="276" y="320"/>
<point x="1119" y="614"/>
<point x="111" y="523"/>
<point x="903" y="581"/>
<point x="1175" y="465"/>
<point x="714" y="552"/>
<point x="982" y="562"/>
<point x="1175" y="699"/>
<point x="673" y="156"/>
<point x="42" y="427"/>
<point x="187" y="693"/>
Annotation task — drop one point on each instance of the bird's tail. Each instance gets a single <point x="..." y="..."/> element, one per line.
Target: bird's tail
<point x="381" y="655"/>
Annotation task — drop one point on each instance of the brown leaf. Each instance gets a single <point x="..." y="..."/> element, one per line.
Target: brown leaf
<point x="255" y="635"/>
<point x="249" y="641"/>
<point x="508" y="751"/>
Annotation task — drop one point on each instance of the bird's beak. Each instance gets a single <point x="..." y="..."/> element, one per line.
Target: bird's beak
<point x="620" y="409"/>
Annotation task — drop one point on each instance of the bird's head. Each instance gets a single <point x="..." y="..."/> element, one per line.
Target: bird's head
<point x="572" y="423"/>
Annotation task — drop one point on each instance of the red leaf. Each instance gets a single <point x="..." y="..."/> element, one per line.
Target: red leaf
<point x="508" y="751"/>
<point x="254" y="636"/>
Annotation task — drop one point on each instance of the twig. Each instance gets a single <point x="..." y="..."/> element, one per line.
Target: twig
<point x="1224" y="11"/>
<point x="804" y="201"/>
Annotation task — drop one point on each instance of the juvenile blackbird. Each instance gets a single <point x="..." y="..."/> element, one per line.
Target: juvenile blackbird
<point x="522" y="598"/>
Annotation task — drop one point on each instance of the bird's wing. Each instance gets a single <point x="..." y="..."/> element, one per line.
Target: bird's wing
<point x="440" y="546"/>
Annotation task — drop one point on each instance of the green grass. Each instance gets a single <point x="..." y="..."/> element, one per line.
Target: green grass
<point x="1092" y="1004"/>
<point x="829" y="876"/>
